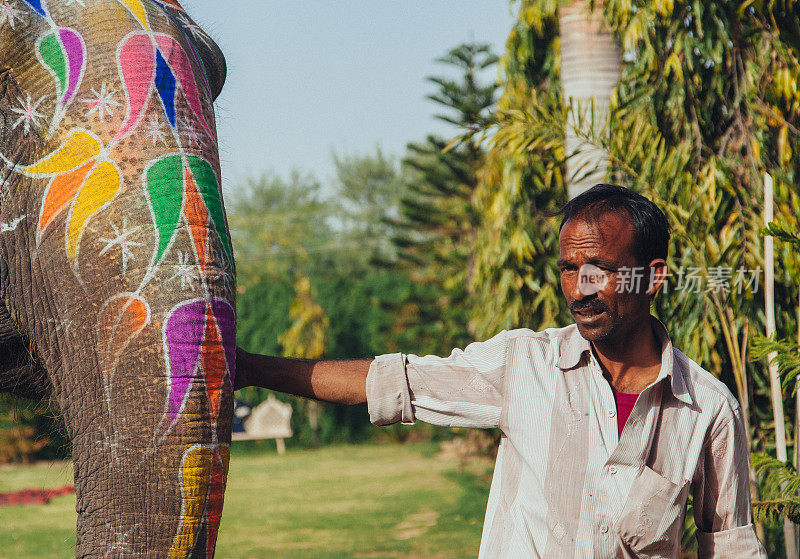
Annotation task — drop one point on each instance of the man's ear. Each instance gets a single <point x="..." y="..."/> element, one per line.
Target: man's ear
<point x="658" y="275"/>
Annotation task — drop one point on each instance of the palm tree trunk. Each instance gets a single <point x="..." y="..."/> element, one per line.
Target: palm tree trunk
<point x="774" y="381"/>
<point x="590" y="69"/>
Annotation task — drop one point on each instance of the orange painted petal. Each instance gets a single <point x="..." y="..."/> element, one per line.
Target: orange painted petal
<point x="60" y="193"/>
<point x="216" y="496"/>
<point x="212" y="361"/>
<point x="121" y="319"/>
<point x="100" y="187"/>
<point x="196" y="215"/>
<point x="77" y="149"/>
<point x="196" y="470"/>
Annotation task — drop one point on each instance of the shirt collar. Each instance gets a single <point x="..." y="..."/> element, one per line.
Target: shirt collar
<point x="572" y="346"/>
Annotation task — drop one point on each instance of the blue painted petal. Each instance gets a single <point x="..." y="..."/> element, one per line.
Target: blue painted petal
<point x="37" y="5"/>
<point x="165" y="84"/>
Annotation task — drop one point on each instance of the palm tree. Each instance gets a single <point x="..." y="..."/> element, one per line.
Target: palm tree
<point x="590" y="70"/>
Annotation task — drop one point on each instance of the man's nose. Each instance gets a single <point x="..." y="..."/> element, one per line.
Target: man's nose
<point x="591" y="279"/>
<point x="576" y="292"/>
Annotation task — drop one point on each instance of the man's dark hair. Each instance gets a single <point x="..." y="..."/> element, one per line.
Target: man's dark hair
<point x="650" y="227"/>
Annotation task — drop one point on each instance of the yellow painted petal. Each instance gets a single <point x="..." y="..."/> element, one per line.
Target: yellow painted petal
<point x="136" y="8"/>
<point x="195" y="476"/>
<point x="100" y="187"/>
<point x="77" y="149"/>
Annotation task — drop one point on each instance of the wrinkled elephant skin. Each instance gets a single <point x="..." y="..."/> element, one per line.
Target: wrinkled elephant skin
<point x="116" y="271"/>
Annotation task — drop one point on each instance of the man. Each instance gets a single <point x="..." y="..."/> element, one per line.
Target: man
<point x="605" y="425"/>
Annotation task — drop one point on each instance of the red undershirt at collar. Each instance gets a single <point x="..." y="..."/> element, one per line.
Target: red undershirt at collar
<point x="625" y="403"/>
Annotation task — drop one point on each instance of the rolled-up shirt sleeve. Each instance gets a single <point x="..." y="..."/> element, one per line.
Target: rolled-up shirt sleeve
<point x="465" y="389"/>
<point x="722" y="506"/>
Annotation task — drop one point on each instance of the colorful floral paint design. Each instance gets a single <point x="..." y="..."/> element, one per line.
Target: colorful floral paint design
<point x="82" y="179"/>
<point x="144" y="68"/>
<point x="122" y="318"/>
<point x="198" y="203"/>
<point x="202" y="498"/>
<point x="37" y="6"/>
<point x="63" y="52"/>
<point x="182" y="189"/>
<point x="199" y="339"/>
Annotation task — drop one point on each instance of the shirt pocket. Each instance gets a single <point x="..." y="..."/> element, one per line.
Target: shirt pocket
<point x="651" y="522"/>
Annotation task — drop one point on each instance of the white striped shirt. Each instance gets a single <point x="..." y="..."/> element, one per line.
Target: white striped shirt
<point x="565" y="483"/>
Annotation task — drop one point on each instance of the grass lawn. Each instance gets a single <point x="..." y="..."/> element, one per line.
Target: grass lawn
<point x="367" y="501"/>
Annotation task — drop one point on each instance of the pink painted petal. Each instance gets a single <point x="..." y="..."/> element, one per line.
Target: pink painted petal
<point x="136" y="59"/>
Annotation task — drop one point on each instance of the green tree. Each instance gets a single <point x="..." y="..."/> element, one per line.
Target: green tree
<point x="305" y="339"/>
<point x="706" y="103"/>
<point x="368" y="189"/>
<point x="437" y="224"/>
<point x="276" y="224"/>
<point x="291" y="242"/>
<point x="516" y="280"/>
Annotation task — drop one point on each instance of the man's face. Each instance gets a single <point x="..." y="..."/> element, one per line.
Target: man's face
<point x="598" y="276"/>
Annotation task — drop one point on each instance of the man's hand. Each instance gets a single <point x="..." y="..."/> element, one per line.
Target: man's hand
<point x="339" y="382"/>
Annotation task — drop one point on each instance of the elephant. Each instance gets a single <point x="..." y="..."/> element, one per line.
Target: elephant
<point x="117" y="276"/>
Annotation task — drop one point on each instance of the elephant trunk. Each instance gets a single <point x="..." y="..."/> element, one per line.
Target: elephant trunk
<point x="116" y="262"/>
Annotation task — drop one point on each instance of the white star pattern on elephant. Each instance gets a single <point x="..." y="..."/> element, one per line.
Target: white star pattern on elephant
<point x="10" y="15"/>
<point x="121" y="239"/>
<point x="185" y="270"/>
<point x="102" y="102"/>
<point x="29" y="114"/>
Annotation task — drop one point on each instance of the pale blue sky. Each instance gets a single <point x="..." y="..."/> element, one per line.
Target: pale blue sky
<point x="310" y="77"/>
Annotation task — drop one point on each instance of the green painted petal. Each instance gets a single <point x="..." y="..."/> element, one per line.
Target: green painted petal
<point x="165" y="189"/>
<point x="209" y="189"/>
<point x="53" y="57"/>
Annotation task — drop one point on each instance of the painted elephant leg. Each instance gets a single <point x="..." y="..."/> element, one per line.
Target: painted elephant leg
<point x="116" y="260"/>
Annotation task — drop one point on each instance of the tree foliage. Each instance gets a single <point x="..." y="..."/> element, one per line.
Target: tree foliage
<point x="277" y="225"/>
<point x="367" y="192"/>
<point x="516" y="279"/>
<point x="707" y="104"/>
<point x="780" y="487"/>
<point x="437" y="222"/>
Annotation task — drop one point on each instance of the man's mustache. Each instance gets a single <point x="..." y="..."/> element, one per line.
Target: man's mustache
<point x="593" y="305"/>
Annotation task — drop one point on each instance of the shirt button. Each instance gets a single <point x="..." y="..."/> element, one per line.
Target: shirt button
<point x="604" y="529"/>
<point x="612" y="413"/>
<point x="612" y="470"/>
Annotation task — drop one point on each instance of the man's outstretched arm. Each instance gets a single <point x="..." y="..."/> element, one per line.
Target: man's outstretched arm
<point x="339" y="382"/>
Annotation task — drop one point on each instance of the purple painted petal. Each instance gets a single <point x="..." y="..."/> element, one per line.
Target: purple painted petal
<point x="76" y="55"/>
<point x="226" y="320"/>
<point x="183" y="335"/>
